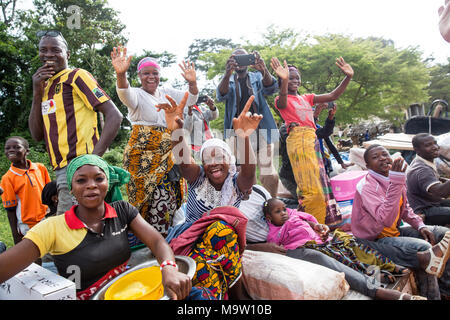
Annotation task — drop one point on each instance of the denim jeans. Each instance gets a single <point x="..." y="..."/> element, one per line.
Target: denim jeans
<point x="403" y="251"/>
<point x="438" y="215"/>
<point x="65" y="198"/>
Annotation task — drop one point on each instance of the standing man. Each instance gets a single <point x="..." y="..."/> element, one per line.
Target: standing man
<point x="64" y="111"/>
<point x="427" y="194"/>
<point x="235" y="88"/>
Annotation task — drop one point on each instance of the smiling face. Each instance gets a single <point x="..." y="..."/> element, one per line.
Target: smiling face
<point x="379" y="160"/>
<point x="277" y="212"/>
<point x="53" y="51"/>
<point x="149" y="77"/>
<point x="216" y="164"/>
<point x="294" y="81"/>
<point x="16" y="151"/>
<point x="89" y="186"/>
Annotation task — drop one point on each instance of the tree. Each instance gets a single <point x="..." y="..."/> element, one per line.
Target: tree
<point x="386" y="80"/>
<point x="440" y="82"/>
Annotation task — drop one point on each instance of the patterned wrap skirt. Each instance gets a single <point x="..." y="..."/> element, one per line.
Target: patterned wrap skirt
<point x="218" y="260"/>
<point x="152" y="190"/>
<point x="313" y="184"/>
<point x="344" y="248"/>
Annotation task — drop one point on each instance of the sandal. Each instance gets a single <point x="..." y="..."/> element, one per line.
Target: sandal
<point x="436" y="266"/>
<point x="412" y="297"/>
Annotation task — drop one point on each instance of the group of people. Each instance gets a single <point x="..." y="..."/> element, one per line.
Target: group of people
<point x="226" y="212"/>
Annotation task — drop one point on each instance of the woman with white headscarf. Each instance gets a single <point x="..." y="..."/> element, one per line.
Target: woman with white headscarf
<point x="214" y="231"/>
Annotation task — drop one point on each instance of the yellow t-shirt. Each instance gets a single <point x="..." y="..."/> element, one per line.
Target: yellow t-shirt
<point x="69" y="113"/>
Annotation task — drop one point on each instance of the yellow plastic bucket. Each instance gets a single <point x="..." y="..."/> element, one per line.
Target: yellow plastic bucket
<point x="142" y="284"/>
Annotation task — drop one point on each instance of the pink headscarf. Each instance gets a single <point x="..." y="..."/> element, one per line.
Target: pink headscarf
<point x="148" y="62"/>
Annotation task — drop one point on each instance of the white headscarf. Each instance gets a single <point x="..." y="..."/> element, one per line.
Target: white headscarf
<point x="228" y="192"/>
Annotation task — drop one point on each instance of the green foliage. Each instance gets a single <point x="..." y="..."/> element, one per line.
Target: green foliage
<point x="387" y="80"/>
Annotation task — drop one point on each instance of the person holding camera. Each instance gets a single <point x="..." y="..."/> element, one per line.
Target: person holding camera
<point x="235" y="88"/>
<point x="196" y="122"/>
<point x="303" y="147"/>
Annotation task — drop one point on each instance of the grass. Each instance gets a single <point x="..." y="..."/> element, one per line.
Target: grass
<point x="5" y="230"/>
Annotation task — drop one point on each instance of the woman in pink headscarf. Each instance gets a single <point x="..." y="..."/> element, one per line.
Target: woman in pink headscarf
<point x="155" y="187"/>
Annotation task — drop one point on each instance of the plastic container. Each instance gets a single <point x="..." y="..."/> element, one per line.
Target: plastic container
<point x="344" y="184"/>
<point x="142" y="284"/>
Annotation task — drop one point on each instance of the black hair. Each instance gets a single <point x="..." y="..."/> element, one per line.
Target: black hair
<point x="24" y="141"/>
<point x="417" y="139"/>
<point x="366" y="153"/>
<point x="60" y="37"/>
<point x="267" y="205"/>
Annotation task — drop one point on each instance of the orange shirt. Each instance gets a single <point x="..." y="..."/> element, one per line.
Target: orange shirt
<point x="392" y="231"/>
<point x="23" y="189"/>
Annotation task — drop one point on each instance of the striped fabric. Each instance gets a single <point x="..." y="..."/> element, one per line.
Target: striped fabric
<point x="196" y="207"/>
<point x="70" y="118"/>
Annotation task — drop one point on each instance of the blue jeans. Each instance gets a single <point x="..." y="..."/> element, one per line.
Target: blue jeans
<point x="403" y="251"/>
<point x="65" y="198"/>
<point x="438" y="215"/>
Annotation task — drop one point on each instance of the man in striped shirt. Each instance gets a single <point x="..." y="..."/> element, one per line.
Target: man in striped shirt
<point x="64" y="111"/>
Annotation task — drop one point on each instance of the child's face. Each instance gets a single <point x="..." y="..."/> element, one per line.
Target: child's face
<point x="278" y="214"/>
<point x="294" y="81"/>
<point x="15" y="151"/>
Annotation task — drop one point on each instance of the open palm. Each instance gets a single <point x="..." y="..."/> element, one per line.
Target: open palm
<point x="119" y="59"/>
<point x="282" y="72"/>
<point x="345" y="67"/>
<point x="188" y="73"/>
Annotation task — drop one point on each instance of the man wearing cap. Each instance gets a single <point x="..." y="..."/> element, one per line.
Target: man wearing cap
<point x="64" y="111"/>
<point x="155" y="187"/>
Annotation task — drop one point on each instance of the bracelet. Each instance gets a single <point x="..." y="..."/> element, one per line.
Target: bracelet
<point x="168" y="263"/>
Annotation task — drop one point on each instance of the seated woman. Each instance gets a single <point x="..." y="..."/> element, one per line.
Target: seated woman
<point x="93" y="236"/>
<point x="216" y="239"/>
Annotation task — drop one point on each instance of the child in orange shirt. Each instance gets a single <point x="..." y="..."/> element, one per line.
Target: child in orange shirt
<point x="22" y="186"/>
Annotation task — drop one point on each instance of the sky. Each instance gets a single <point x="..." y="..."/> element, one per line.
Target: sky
<point x="172" y="25"/>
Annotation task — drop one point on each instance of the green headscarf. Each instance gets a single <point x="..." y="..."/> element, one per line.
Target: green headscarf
<point x="116" y="176"/>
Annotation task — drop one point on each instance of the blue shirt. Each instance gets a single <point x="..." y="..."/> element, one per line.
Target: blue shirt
<point x="259" y="91"/>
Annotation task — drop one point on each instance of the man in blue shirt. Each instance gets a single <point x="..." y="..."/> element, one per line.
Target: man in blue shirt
<point x="235" y="88"/>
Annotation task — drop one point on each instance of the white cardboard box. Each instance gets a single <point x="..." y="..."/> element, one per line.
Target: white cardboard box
<point x="37" y="283"/>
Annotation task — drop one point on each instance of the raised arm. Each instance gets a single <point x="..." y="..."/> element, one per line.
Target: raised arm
<point x="121" y="63"/>
<point x="224" y="84"/>
<point x="260" y="65"/>
<point x="283" y="73"/>
<point x="244" y="126"/>
<point x="189" y="75"/>
<point x="181" y="151"/>
<point x="339" y="90"/>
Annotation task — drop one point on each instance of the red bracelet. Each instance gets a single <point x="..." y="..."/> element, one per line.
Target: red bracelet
<point x="168" y="263"/>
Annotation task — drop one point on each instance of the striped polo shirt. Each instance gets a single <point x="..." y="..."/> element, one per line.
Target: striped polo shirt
<point x="69" y="113"/>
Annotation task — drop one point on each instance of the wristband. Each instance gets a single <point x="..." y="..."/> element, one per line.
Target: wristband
<point x="168" y="263"/>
